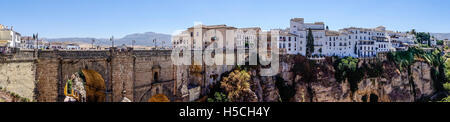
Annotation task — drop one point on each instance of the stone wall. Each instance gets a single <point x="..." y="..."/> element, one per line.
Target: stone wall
<point x="18" y="78"/>
<point x="138" y="74"/>
<point x="122" y="69"/>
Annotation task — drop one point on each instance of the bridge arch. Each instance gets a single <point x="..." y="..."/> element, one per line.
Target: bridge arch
<point x="85" y="86"/>
<point x="95" y="86"/>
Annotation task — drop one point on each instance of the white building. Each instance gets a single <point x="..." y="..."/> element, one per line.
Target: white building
<point x="338" y="44"/>
<point x="28" y="42"/>
<point x="289" y="43"/>
<point x="352" y="41"/>
<point x="9" y="38"/>
<point x="299" y="28"/>
<point x="367" y="41"/>
<point x="400" y="40"/>
<point x="72" y="46"/>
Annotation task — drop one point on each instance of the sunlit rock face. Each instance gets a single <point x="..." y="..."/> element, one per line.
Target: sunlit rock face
<point x="393" y="85"/>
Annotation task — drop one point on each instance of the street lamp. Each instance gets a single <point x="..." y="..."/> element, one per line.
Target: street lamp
<point x="93" y="41"/>
<point x="112" y="41"/>
<point x="154" y="43"/>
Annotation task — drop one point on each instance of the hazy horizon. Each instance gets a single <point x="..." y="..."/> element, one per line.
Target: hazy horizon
<point x="118" y="18"/>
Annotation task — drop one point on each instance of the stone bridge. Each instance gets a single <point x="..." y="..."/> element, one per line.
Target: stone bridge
<point x="41" y="75"/>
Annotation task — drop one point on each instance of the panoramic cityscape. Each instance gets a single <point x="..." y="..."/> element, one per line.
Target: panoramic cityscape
<point x="285" y="58"/>
<point x="317" y="64"/>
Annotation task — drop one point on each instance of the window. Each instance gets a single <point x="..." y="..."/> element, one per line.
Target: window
<point x="155" y="76"/>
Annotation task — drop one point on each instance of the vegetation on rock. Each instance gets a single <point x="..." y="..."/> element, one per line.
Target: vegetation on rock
<point x="447" y="88"/>
<point x="238" y="87"/>
<point x="219" y="97"/>
<point x="347" y="68"/>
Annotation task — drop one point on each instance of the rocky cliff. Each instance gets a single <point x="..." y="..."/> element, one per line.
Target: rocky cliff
<point x="393" y="85"/>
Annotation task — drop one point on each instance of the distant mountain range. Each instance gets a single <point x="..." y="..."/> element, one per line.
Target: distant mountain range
<point x="142" y="39"/>
<point x="441" y="36"/>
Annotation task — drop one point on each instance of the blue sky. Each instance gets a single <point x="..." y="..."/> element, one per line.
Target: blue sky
<point x="103" y="18"/>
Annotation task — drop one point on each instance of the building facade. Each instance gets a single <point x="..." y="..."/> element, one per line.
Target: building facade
<point x="352" y="41"/>
<point x="9" y="38"/>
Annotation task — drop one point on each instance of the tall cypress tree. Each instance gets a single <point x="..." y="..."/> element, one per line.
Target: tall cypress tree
<point x="309" y="43"/>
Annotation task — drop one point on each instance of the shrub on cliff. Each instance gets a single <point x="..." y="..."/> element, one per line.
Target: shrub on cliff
<point x="403" y="59"/>
<point x="447" y="86"/>
<point x="344" y="67"/>
<point x="219" y="97"/>
<point x="238" y="87"/>
<point x="347" y="68"/>
<point x="447" y="69"/>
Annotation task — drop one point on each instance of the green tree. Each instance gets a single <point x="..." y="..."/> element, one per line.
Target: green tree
<point x="219" y="97"/>
<point x="320" y="51"/>
<point x="347" y="69"/>
<point x="440" y="42"/>
<point x="422" y="37"/>
<point x="309" y="43"/>
<point x="447" y="88"/>
<point x="413" y="31"/>
<point x="447" y="69"/>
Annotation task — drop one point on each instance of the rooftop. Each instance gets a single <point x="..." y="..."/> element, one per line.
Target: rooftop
<point x="298" y="19"/>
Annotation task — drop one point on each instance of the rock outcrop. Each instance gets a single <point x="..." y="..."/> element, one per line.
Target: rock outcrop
<point x="393" y="85"/>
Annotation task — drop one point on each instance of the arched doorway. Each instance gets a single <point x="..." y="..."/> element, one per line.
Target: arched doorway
<point x="156" y="69"/>
<point x="95" y="86"/>
<point x="85" y="86"/>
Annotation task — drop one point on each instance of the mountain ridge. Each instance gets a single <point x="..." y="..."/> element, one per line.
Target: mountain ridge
<point x="142" y="39"/>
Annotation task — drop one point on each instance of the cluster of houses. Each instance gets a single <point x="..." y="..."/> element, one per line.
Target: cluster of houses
<point x="10" y="39"/>
<point x="352" y="41"/>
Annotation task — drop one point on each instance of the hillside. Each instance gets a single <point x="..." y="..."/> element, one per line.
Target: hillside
<point x="441" y="36"/>
<point x="142" y="39"/>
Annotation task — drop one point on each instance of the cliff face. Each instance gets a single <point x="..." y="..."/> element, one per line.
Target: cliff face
<point x="393" y="85"/>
